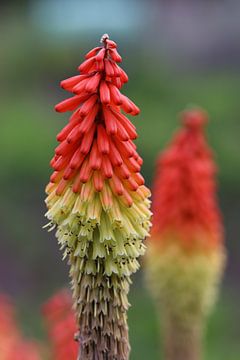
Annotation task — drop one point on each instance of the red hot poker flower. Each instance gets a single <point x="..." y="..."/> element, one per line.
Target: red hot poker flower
<point x="184" y="196"/>
<point x="98" y="201"/>
<point x="186" y="256"/>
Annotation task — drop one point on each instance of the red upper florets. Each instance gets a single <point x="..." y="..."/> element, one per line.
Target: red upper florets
<point x="184" y="196"/>
<point x="97" y="142"/>
<point x="100" y="77"/>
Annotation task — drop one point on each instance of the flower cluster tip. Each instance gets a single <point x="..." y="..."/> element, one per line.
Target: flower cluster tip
<point x="194" y="118"/>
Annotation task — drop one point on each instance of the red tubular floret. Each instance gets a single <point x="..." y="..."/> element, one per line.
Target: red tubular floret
<point x="80" y="87"/>
<point x="124" y="148"/>
<point x="132" y="165"/>
<point x="65" y="148"/>
<point x="88" y="121"/>
<point x="139" y="160"/>
<point x="128" y="126"/>
<point x="104" y="93"/>
<point x="74" y="120"/>
<point x="128" y="106"/>
<point x="117" y="82"/>
<point x="107" y="167"/>
<point x="88" y="139"/>
<point x="69" y="83"/>
<point x="109" y="68"/>
<point x="134" y="148"/>
<point x="135" y="110"/>
<point x="95" y="159"/>
<point x="100" y="55"/>
<point x="131" y="184"/>
<point x="115" y="55"/>
<point x="116" y="69"/>
<point x="92" y="83"/>
<point x="85" y="171"/>
<point x="115" y="94"/>
<point x="60" y="163"/>
<point x="53" y="160"/>
<point x="74" y="135"/>
<point x="88" y="104"/>
<point x="56" y="176"/>
<point x="126" y="198"/>
<point x="122" y="171"/>
<point x="106" y="197"/>
<point x="77" y="159"/>
<point x="86" y="65"/>
<point x="69" y="173"/>
<point x="110" y="122"/>
<point x="102" y="140"/>
<point x="116" y="185"/>
<point x="114" y="155"/>
<point x="71" y="103"/>
<point x="77" y="184"/>
<point x="122" y="133"/>
<point x="75" y="116"/>
<point x="93" y="52"/>
<point x="111" y="44"/>
<point x="99" y="65"/>
<point x="139" y="178"/>
<point x="98" y="180"/>
<point x="61" y="187"/>
<point x="122" y="74"/>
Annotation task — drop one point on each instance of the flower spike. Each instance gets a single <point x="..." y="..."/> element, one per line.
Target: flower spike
<point x="186" y="255"/>
<point x="98" y="201"/>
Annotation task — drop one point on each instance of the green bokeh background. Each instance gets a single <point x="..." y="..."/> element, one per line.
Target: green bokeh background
<point x="32" y="63"/>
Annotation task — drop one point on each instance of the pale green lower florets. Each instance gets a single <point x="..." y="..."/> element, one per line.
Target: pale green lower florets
<point x="102" y="244"/>
<point x="185" y="284"/>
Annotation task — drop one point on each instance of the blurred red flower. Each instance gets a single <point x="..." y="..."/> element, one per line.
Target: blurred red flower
<point x="62" y="326"/>
<point x="184" y="194"/>
<point x="12" y="344"/>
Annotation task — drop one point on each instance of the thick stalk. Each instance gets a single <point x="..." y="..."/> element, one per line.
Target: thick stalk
<point x="101" y="306"/>
<point x="182" y="340"/>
